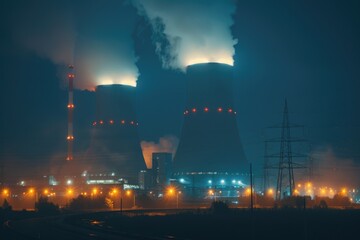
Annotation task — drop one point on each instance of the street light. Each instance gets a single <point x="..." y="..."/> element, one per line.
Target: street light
<point x="172" y="191"/>
<point x="128" y="193"/>
<point x="32" y="191"/>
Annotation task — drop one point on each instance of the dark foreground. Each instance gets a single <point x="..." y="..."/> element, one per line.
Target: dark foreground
<point x="192" y="224"/>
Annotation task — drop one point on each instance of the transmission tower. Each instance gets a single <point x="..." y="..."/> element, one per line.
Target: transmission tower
<point x="285" y="161"/>
<point x="285" y="165"/>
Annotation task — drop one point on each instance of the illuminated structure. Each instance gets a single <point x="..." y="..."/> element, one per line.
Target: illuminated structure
<point x="161" y="168"/>
<point x="115" y="147"/>
<point x="210" y="152"/>
<point x="70" y="106"/>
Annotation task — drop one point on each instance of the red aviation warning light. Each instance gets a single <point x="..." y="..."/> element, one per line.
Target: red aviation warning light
<point x="219" y="109"/>
<point x="206" y="109"/>
<point x="70" y="106"/>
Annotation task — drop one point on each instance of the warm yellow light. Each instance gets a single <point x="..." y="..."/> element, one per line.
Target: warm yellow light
<point x="223" y="60"/>
<point x="46" y="191"/>
<point x="128" y="192"/>
<point x="31" y="190"/>
<point x="69" y="191"/>
<point x="114" y="191"/>
<point x="270" y="191"/>
<point x="171" y="191"/>
<point x="94" y="191"/>
<point x="5" y="191"/>
<point x="299" y="185"/>
<point x="211" y="192"/>
<point x="309" y="184"/>
<point x="343" y="191"/>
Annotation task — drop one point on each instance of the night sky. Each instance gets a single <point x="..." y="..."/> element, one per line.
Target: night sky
<point x="305" y="51"/>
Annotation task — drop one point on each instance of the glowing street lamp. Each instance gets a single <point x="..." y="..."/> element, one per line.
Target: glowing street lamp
<point x="128" y="193"/>
<point x="270" y="192"/>
<point x="6" y="192"/>
<point x="171" y="191"/>
<point x="32" y="191"/>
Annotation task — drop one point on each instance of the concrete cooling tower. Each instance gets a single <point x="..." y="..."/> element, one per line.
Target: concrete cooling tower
<point x="115" y="146"/>
<point x="210" y="152"/>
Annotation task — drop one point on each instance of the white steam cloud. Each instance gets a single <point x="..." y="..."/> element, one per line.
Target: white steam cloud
<point x="189" y="32"/>
<point x="165" y="144"/>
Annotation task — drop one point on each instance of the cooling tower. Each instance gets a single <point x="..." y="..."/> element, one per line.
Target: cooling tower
<point x="115" y="145"/>
<point x="210" y="144"/>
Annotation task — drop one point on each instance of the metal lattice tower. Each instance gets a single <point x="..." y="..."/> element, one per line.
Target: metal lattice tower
<point x="285" y="172"/>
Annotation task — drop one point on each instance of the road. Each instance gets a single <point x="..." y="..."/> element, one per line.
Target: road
<point x="52" y="228"/>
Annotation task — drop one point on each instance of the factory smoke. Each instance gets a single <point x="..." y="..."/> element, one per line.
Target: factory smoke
<point x="188" y="32"/>
<point x="51" y="33"/>
<point x="102" y="54"/>
<point x="165" y="144"/>
<point x="334" y="170"/>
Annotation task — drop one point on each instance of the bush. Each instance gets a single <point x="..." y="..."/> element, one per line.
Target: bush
<point x="43" y="206"/>
<point x="219" y="207"/>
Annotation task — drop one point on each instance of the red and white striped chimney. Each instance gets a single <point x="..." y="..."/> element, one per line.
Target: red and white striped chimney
<point x="70" y="136"/>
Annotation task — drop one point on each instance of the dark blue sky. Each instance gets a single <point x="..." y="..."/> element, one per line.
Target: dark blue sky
<point x="307" y="52"/>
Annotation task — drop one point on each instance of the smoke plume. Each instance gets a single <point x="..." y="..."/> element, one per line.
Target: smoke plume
<point x="330" y="169"/>
<point x="165" y="144"/>
<point x="188" y="32"/>
<point x="93" y="35"/>
<point x="47" y="28"/>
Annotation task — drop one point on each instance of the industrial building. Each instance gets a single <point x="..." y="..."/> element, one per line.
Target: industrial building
<point x="161" y="168"/>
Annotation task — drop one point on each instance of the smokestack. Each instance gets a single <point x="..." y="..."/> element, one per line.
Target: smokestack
<point x="70" y="106"/>
<point x="210" y="149"/>
<point x="115" y="145"/>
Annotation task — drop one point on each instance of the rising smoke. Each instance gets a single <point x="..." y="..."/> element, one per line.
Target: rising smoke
<point x="165" y="144"/>
<point x="333" y="170"/>
<point x="93" y="35"/>
<point x="47" y="28"/>
<point x="188" y="32"/>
